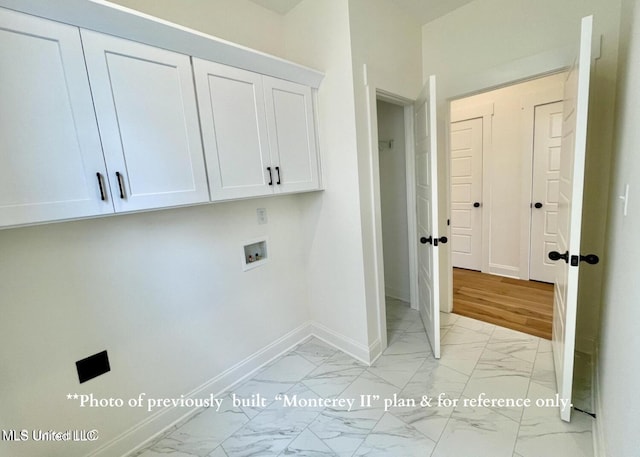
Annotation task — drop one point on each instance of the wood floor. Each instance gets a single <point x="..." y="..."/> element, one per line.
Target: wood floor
<point x="526" y="306"/>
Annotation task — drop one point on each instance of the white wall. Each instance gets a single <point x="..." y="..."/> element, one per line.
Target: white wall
<point x="318" y="35"/>
<point x="505" y="165"/>
<point x="162" y="291"/>
<point x="339" y="36"/>
<point x="393" y="198"/>
<point x="239" y="21"/>
<point x="487" y="43"/>
<point x="619" y="370"/>
<point x="387" y="40"/>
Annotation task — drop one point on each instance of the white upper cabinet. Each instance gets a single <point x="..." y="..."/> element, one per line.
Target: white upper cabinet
<point x="292" y="139"/>
<point x="93" y="124"/>
<point x="145" y="104"/>
<point x="234" y="130"/>
<point x="50" y="153"/>
<point x="258" y="132"/>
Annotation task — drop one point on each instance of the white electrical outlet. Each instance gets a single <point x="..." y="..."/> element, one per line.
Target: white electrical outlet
<point x="262" y="215"/>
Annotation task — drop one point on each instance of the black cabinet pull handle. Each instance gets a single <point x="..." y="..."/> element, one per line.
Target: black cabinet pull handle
<point x="425" y="240"/>
<point x="476" y="205"/>
<point x="102" y="196"/>
<point x="270" y="176"/>
<point x="538" y="205"/>
<point x="555" y="256"/>
<point x="443" y="239"/>
<point x="120" y="184"/>
<point x="278" y="170"/>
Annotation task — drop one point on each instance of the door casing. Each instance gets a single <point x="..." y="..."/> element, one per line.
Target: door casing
<point x="374" y="93"/>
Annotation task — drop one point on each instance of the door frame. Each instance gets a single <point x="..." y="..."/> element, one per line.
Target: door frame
<point x="535" y="66"/>
<point x="528" y="104"/>
<point x="517" y="71"/>
<point x="374" y="93"/>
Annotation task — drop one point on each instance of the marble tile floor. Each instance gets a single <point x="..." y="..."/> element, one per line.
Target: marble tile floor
<point x="477" y="358"/>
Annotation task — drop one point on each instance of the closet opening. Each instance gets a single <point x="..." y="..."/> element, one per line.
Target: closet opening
<point x="392" y="162"/>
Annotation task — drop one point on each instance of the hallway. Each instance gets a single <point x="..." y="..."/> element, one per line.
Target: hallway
<point x="525" y="306"/>
<point x="477" y="358"/>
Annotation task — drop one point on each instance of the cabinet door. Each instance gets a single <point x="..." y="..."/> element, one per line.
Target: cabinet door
<point x="146" y="109"/>
<point x="291" y="135"/>
<point x="50" y="150"/>
<point x="234" y="131"/>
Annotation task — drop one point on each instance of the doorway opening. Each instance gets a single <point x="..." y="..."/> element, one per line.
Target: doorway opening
<point x="504" y="158"/>
<point x="392" y="163"/>
<point x="420" y="204"/>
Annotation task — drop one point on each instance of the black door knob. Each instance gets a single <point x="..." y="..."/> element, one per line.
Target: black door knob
<point x="434" y="241"/>
<point x="591" y="259"/>
<point x="538" y="205"/>
<point x="555" y="256"/>
<point x="476" y="205"/>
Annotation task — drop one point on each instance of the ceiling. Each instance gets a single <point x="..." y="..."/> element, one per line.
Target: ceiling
<point x="423" y="10"/>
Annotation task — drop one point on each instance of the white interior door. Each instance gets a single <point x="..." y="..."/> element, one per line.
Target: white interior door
<point x="466" y="194"/>
<point x="427" y="213"/>
<point x="547" y="138"/>
<point x="572" y="161"/>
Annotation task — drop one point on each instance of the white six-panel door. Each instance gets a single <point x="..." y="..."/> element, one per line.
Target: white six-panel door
<point x="50" y="152"/>
<point x="572" y="162"/>
<point x="466" y="194"/>
<point x="426" y="163"/>
<point x="547" y="140"/>
<point x="146" y="108"/>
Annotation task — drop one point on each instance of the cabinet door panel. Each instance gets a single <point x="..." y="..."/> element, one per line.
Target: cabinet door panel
<point x="50" y="149"/>
<point x="292" y="134"/>
<point x="231" y="104"/>
<point x="146" y="109"/>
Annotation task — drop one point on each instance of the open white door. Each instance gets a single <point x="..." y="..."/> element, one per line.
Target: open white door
<point x="427" y="213"/>
<point x="572" y="161"/>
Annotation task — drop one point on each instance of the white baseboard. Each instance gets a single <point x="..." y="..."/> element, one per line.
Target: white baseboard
<point x="375" y="350"/>
<point x="504" y="270"/>
<point x="345" y="344"/>
<point x="156" y="424"/>
<point x="599" y="448"/>
<point x="145" y="431"/>
<point x="398" y="294"/>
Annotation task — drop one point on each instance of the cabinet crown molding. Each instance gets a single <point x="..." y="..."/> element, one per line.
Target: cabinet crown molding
<point x="105" y="17"/>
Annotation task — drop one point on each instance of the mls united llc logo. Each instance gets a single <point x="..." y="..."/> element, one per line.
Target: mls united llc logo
<point x="49" y="435"/>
